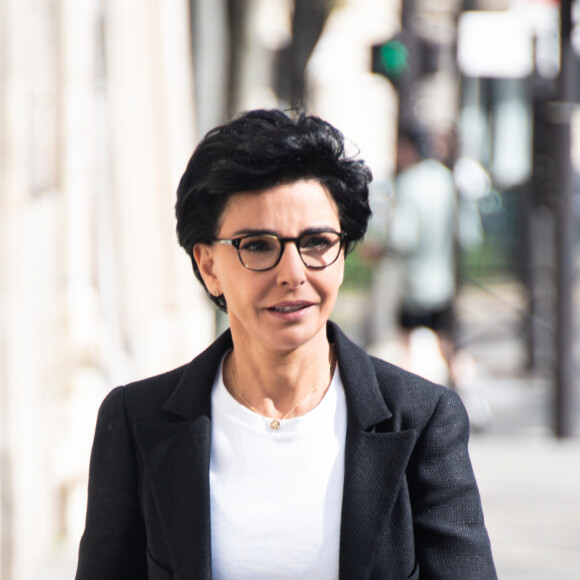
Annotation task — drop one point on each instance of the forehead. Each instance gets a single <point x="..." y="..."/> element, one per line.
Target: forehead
<point x="293" y="206"/>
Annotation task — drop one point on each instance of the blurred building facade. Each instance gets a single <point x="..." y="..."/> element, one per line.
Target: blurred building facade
<point x="96" y="125"/>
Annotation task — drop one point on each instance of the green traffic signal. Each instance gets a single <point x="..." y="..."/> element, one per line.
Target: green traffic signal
<point x="391" y="59"/>
<point x="394" y="58"/>
<point x="405" y="58"/>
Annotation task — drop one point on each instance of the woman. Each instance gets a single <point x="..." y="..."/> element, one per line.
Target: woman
<point x="283" y="450"/>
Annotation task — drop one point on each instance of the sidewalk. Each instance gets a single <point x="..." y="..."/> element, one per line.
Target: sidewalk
<point x="530" y="489"/>
<point x="529" y="480"/>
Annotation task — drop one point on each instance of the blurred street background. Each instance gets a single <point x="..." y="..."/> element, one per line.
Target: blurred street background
<point x="102" y="103"/>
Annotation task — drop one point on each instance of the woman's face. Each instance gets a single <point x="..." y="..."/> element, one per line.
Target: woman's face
<point x="288" y="306"/>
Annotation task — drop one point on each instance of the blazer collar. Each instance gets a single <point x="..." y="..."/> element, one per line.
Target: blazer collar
<point x="366" y="406"/>
<point x="192" y="395"/>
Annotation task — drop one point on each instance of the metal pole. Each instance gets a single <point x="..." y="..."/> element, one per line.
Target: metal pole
<point x="564" y="396"/>
<point x="564" y="404"/>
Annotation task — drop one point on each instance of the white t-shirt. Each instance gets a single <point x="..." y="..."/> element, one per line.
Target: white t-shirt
<point x="276" y="496"/>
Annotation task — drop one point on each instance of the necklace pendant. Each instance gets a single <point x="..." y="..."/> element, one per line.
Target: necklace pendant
<point x="275" y="424"/>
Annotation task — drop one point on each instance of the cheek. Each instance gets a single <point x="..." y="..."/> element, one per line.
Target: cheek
<point x="228" y="269"/>
<point x="244" y="287"/>
<point x="341" y="273"/>
<point x="338" y="273"/>
<point x="331" y="283"/>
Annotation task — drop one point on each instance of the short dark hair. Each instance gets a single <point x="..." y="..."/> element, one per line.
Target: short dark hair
<point x="259" y="150"/>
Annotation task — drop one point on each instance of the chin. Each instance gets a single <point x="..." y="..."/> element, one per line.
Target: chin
<point x="295" y="338"/>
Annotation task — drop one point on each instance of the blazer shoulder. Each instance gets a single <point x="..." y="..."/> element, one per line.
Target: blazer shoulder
<point x="404" y="382"/>
<point x="412" y="399"/>
<point x="144" y="399"/>
<point x="372" y="383"/>
<point x="162" y="382"/>
<point x="178" y="392"/>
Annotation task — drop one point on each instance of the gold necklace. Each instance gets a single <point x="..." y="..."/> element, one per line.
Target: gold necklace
<point x="275" y="424"/>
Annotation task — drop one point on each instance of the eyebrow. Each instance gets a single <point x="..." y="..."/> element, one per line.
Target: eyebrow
<point x="268" y="232"/>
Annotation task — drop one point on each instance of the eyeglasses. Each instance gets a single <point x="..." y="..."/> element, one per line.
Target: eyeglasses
<point x="260" y="252"/>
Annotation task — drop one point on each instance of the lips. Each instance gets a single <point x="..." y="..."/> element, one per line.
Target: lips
<point x="290" y="307"/>
<point x="287" y="309"/>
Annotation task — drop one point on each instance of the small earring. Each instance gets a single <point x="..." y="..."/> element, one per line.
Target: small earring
<point x="217" y="292"/>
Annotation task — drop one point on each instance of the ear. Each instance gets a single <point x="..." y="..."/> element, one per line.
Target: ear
<point x="203" y="255"/>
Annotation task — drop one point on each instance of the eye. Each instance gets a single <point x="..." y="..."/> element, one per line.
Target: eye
<point x="259" y="244"/>
<point x="319" y="242"/>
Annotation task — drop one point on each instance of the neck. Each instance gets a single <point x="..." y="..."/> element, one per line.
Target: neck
<point x="279" y="385"/>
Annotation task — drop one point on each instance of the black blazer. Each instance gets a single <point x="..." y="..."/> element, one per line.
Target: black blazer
<point x="411" y="507"/>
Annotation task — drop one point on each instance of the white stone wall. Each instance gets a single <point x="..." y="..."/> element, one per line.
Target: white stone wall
<point x="96" y="126"/>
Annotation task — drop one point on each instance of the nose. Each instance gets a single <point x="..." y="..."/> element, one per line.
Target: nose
<point x="291" y="270"/>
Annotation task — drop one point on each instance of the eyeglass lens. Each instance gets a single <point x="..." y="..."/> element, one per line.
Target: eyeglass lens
<point x="317" y="250"/>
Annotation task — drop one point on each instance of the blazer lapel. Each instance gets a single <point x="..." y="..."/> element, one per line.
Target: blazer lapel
<point x="177" y="462"/>
<point x="176" y="454"/>
<point x="375" y="462"/>
<point x="374" y="470"/>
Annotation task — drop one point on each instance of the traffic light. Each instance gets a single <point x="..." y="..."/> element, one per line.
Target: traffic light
<point x="392" y="60"/>
<point x="404" y="58"/>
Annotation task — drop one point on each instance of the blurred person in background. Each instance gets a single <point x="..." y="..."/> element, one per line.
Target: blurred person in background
<point x="432" y="223"/>
<point x="283" y="450"/>
<point x="422" y="234"/>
